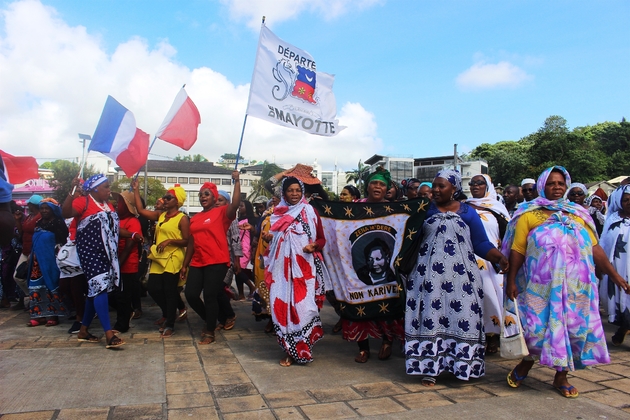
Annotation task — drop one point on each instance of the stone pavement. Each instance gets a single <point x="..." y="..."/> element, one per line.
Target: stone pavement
<point x="46" y="373"/>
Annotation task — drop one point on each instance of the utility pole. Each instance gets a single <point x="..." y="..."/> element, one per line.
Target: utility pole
<point x="455" y="156"/>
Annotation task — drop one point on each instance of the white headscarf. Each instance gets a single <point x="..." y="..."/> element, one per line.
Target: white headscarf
<point x="489" y="200"/>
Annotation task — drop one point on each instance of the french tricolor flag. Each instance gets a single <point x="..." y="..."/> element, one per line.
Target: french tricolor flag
<point x="181" y="123"/>
<point x="118" y="137"/>
<point x="19" y="169"/>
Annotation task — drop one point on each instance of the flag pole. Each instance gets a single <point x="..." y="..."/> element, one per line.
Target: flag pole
<point x="240" y="143"/>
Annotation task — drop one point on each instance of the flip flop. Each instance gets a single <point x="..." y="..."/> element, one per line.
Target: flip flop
<point x="429" y="381"/>
<point x="52" y="323"/>
<point x="565" y="391"/>
<point x="385" y="352"/>
<point x="36" y="322"/>
<point x="115" y="342"/>
<point x="286" y="361"/>
<point x="363" y="356"/>
<point x="516" y="382"/>
<point x="89" y="339"/>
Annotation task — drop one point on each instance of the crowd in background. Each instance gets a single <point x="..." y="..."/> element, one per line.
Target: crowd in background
<point x="556" y="251"/>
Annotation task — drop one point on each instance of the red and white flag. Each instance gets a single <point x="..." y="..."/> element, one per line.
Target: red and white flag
<point x="181" y="123"/>
<point x="19" y="169"/>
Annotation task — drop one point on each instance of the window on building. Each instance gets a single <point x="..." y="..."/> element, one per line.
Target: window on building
<point x="161" y="178"/>
<point x="192" y="180"/>
<point x="151" y="177"/>
<point x="226" y="182"/>
<point x="202" y="180"/>
<point x="216" y="181"/>
<point x="484" y="169"/>
<point x="172" y="179"/>
<point x="400" y="170"/>
<point x="182" y="180"/>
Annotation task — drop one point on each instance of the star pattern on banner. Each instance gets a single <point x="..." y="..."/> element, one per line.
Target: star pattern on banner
<point x="422" y="206"/>
<point x="388" y="209"/>
<point x="412" y="232"/>
<point x="400" y="289"/>
<point x="383" y="307"/>
<point x="397" y="261"/>
<point x="406" y="207"/>
<point x="368" y="211"/>
<point x="328" y="210"/>
<point x="342" y="306"/>
<point x="348" y="211"/>
<point x="361" y="310"/>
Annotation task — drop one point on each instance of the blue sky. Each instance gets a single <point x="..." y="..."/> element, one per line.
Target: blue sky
<point x="412" y="77"/>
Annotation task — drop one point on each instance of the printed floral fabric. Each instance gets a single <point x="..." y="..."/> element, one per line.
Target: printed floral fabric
<point x="615" y="243"/>
<point x="444" y="314"/>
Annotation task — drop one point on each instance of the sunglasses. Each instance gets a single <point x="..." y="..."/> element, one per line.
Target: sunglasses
<point x="204" y="194"/>
<point x="576" y="193"/>
<point x="527" y="189"/>
<point x="167" y="197"/>
<point x="473" y="183"/>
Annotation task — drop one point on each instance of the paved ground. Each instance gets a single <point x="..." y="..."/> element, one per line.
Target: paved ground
<point x="47" y="374"/>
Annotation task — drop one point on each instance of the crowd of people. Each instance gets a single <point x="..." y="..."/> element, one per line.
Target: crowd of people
<point x="546" y="244"/>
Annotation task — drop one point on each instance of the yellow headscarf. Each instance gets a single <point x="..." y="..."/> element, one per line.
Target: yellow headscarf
<point x="179" y="193"/>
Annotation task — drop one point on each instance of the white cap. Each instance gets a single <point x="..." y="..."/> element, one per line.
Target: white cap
<point x="528" y="181"/>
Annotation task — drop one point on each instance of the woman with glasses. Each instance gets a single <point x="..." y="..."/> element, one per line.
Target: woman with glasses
<point x="494" y="217"/>
<point x="553" y="251"/>
<point x="167" y="253"/>
<point x="576" y="193"/>
<point x="208" y="256"/>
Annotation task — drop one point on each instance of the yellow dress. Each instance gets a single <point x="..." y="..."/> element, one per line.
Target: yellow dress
<point x="168" y="229"/>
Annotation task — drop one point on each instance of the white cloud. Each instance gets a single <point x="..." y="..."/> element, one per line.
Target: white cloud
<point x="55" y="78"/>
<point x="484" y="75"/>
<point x="280" y="10"/>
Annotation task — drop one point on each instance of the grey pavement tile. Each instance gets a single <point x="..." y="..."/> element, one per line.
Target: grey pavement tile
<point x="202" y="399"/>
<point x="186" y="387"/>
<point x="251" y="415"/>
<point x="94" y="413"/>
<point x="185" y="375"/>
<point x="609" y="397"/>
<point x="421" y="400"/>
<point x="140" y="412"/>
<point x="238" y="404"/>
<point x="288" y="413"/>
<point x="340" y="393"/>
<point x="33" y="415"/>
<point x="179" y="366"/>
<point x="327" y="411"/>
<point x="236" y="390"/>
<point x="209" y="413"/>
<point x="376" y="406"/>
<point x="288" y="399"/>
<point x="227" y="379"/>
<point x="465" y="394"/>
<point x="378" y="389"/>
<point x="622" y="385"/>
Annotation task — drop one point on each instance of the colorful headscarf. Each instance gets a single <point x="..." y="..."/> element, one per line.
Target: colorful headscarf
<point x="453" y="176"/>
<point x="576" y="185"/>
<point x="428" y="184"/>
<point x="290" y="180"/>
<point x="93" y="182"/>
<point x="381" y="174"/>
<point x="225" y="195"/>
<point x="210" y="186"/>
<point x="180" y="194"/>
<point x="53" y="205"/>
<point x="590" y="198"/>
<point x="490" y="200"/>
<point x="405" y="183"/>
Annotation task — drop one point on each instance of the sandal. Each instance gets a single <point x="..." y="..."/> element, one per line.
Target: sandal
<point x="618" y="337"/>
<point x="286" y="361"/>
<point x="115" y="342"/>
<point x="89" y="338"/>
<point x="183" y="314"/>
<point x="565" y="391"/>
<point x="493" y="344"/>
<point x="168" y="332"/>
<point x="386" y="351"/>
<point x="219" y="327"/>
<point x="363" y="356"/>
<point x="429" y="381"/>
<point x="516" y="382"/>
<point x="207" y="338"/>
<point x="160" y="321"/>
<point x="229" y="324"/>
<point x="137" y="314"/>
<point x="52" y="322"/>
<point x="36" y="322"/>
<point x="337" y="327"/>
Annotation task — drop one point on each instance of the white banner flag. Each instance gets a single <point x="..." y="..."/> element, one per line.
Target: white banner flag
<point x="288" y="90"/>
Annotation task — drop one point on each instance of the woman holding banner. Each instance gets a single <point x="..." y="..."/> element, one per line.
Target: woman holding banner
<point x="295" y="273"/>
<point x="443" y="320"/>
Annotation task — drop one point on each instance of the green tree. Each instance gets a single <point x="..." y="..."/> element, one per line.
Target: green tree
<point x="155" y="188"/>
<point x="507" y="161"/>
<point x="190" y="158"/>
<point x="258" y="186"/>
<point x="358" y="175"/>
<point x="64" y="172"/>
<point x="614" y="140"/>
<point x="46" y="165"/>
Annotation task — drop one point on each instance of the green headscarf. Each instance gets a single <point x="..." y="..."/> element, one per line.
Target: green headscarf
<point x="381" y="174"/>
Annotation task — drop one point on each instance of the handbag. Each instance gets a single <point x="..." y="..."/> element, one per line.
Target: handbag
<point x="161" y="258"/>
<point x="513" y="346"/>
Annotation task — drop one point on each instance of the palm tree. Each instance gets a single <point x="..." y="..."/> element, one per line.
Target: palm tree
<point x="357" y="175"/>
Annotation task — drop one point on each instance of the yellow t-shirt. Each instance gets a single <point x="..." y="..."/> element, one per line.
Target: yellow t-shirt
<point x="169" y="229"/>
<point x="535" y="218"/>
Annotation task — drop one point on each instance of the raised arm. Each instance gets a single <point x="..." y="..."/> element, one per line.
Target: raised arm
<point x="236" y="196"/>
<point x="149" y="214"/>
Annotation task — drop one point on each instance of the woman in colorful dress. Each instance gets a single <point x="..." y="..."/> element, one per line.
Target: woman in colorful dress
<point x="50" y="233"/>
<point x="495" y="218"/>
<point x="295" y="273"/>
<point x="208" y="256"/>
<point x="614" y="241"/>
<point x="167" y="253"/>
<point x="97" y="246"/>
<point x="247" y="223"/>
<point x="444" y="316"/>
<point x="553" y="251"/>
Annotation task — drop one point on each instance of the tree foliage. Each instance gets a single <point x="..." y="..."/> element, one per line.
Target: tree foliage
<point x="190" y="158"/>
<point x="591" y="153"/>
<point x="64" y="172"/>
<point x="258" y="186"/>
<point x="359" y="175"/>
<point x="155" y="188"/>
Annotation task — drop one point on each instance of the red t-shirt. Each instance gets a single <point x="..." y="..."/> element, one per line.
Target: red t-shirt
<point x="28" y="229"/>
<point x="79" y="204"/>
<point x="130" y="265"/>
<point x="209" y="232"/>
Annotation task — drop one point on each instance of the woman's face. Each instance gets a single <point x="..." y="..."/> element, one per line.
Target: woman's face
<point x="293" y="195"/>
<point x="597" y="203"/>
<point x="345" y="196"/>
<point x="32" y="208"/>
<point x="376" y="191"/>
<point x="391" y="193"/>
<point x="425" y="192"/>
<point x="242" y="211"/>
<point x="206" y="198"/>
<point x="221" y="201"/>
<point x="442" y="191"/>
<point x="625" y="204"/>
<point x="478" y="186"/>
<point x="412" y="190"/>
<point x="556" y="186"/>
<point x="46" y="212"/>
<point x="275" y="201"/>
<point x="170" y="202"/>
<point x="577" y="196"/>
<point x="102" y="192"/>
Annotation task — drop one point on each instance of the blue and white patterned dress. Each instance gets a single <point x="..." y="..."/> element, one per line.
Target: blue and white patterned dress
<point x="443" y="320"/>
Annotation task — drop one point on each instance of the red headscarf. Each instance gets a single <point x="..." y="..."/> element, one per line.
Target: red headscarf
<point x="211" y="187"/>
